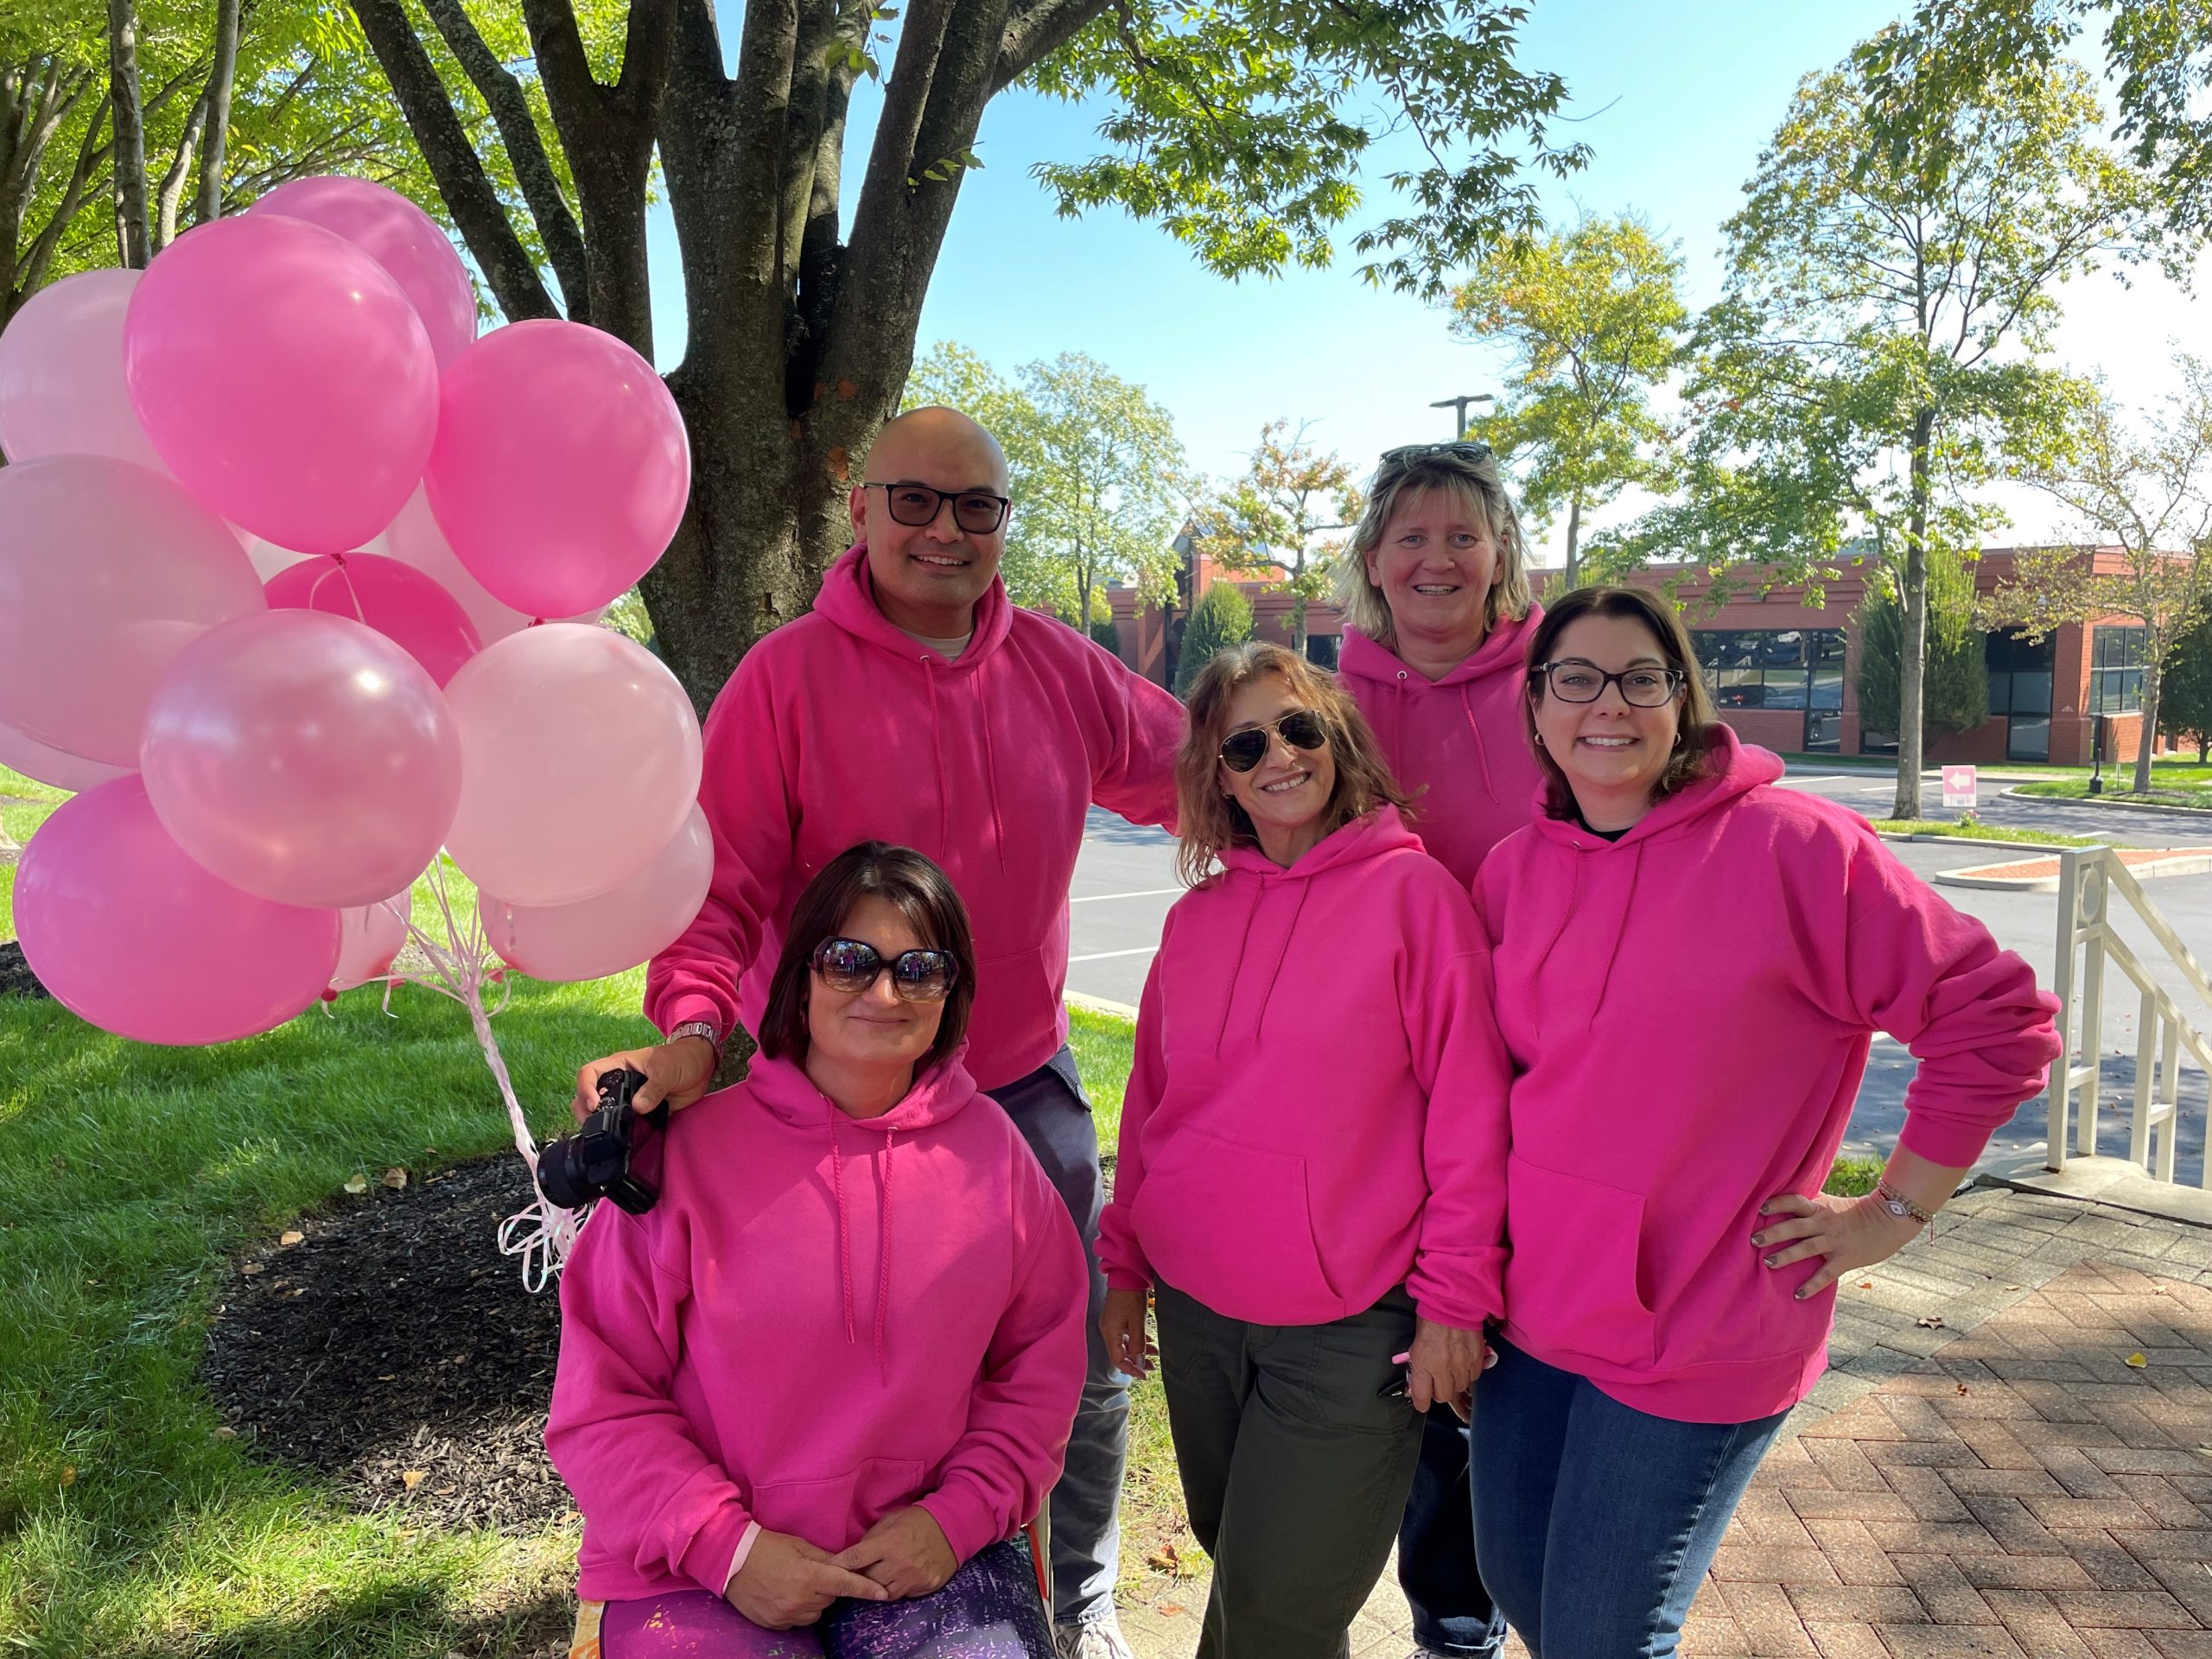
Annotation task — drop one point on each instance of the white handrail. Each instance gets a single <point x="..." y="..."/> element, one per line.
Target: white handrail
<point x="2088" y="943"/>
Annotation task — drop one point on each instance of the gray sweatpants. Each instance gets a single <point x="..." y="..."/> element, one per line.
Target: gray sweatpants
<point x="1295" y="1460"/>
<point x="1049" y="1109"/>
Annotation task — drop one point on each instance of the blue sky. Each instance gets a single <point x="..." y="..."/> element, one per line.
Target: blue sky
<point x="1679" y="101"/>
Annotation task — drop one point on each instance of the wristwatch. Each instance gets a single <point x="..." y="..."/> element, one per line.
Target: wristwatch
<point x="1900" y="1206"/>
<point x="699" y="1028"/>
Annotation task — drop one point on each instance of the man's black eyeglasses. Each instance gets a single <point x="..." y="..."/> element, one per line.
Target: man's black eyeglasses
<point x="1406" y="454"/>
<point x="977" y="511"/>
<point x="1572" y="681"/>
<point x="848" y="966"/>
<point x="1301" y="729"/>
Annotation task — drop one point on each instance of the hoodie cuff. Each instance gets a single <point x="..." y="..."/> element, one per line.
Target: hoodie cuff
<point x="1126" y="1279"/>
<point x="1944" y="1141"/>
<point x="969" y="1524"/>
<point x="695" y="1005"/>
<point x="737" y="1561"/>
<point x="717" y="1549"/>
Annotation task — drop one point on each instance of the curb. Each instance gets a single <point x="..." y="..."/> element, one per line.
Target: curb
<point x="1099" y="1005"/>
<point x="2099" y="802"/>
<point x="2183" y="863"/>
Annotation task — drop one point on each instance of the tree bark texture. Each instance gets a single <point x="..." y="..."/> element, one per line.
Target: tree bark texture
<point x="798" y="340"/>
<point x="1912" y="647"/>
<point x="133" y="235"/>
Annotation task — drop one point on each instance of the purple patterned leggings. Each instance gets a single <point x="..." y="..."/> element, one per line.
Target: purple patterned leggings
<point x="988" y="1609"/>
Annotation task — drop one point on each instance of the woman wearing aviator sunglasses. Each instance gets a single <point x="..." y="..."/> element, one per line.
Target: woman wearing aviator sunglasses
<point x="808" y="1402"/>
<point x="1310" y="1155"/>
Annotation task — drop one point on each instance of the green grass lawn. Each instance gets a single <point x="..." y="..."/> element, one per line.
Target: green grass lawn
<point x="1981" y="832"/>
<point x="2178" y="788"/>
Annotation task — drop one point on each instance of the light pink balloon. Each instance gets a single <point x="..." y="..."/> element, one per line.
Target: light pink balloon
<point x="50" y="766"/>
<point x="616" y="930"/>
<point x="61" y="385"/>
<point x="107" y="571"/>
<point x="303" y="758"/>
<point x="370" y="936"/>
<point x="132" y="935"/>
<point x="284" y="379"/>
<point x="396" y="600"/>
<point x="579" y="761"/>
<point x="415" y="539"/>
<point x="400" y="237"/>
<point x="561" y="467"/>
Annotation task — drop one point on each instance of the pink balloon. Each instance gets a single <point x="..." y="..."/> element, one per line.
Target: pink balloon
<point x="107" y="571"/>
<point x="579" y="761"/>
<point x="284" y="379"/>
<point x="49" y="765"/>
<point x="400" y="237"/>
<point x="618" y="930"/>
<point x="370" y="936"/>
<point x="61" y="385"/>
<point x="132" y="935"/>
<point x="561" y="469"/>
<point x="303" y="758"/>
<point x="396" y="600"/>
<point x="415" y="539"/>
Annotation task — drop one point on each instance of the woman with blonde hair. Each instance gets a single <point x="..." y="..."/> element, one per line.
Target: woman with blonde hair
<point x="1312" y="1153"/>
<point x="1435" y="589"/>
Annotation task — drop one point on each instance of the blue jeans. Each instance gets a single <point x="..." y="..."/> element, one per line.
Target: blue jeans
<point x="1595" y="1522"/>
<point x="1453" y="1613"/>
<point x="1085" y="1509"/>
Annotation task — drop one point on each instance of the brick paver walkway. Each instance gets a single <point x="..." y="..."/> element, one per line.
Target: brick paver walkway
<point x="1982" y="1472"/>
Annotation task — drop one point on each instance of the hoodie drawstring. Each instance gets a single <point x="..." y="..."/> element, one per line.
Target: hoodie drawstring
<point x="1228" y="1003"/>
<point x="883" y="1253"/>
<point x="1282" y="953"/>
<point x="991" y="761"/>
<point x="1566" y="912"/>
<point x="1620" y="928"/>
<point x="844" y="1230"/>
<point x="944" y="783"/>
<point x="1482" y="751"/>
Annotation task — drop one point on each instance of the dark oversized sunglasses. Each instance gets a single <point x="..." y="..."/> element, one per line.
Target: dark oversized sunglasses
<point x="1301" y="729"/>
<point x="977" y="511"/>
<point x="848" y="966"/>
<point x="1406" y="454"/>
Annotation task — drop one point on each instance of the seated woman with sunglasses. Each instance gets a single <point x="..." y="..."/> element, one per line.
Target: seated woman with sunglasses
<point x="1691" y="965"/>
<point x="807" y="1402"/>
<point x="1310" y="1155"/>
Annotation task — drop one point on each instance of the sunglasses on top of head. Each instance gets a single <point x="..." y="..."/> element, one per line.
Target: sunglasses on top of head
<point x="850" y="966"/>
<point x="1301" y="729"/>
<point x="1408" y="455"/>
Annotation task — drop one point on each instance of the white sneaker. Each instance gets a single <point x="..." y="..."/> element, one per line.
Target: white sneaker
<point x="1094" y="1638"/>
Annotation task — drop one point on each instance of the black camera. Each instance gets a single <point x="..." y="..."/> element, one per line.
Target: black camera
<point x="594" y="1161"/>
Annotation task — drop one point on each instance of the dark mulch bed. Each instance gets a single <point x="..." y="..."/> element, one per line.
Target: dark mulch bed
<point x="395" y="1350"/>
<point x="16" y="976"/>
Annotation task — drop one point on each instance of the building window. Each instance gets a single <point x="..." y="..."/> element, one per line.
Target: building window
<point x="2019" y="691"/>
<point x="1786" y="668"/>
<point x="2116" y="671"/>
<point x="1321" y="650"/>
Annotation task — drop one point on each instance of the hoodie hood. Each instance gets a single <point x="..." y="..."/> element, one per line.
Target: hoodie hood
<point x="1501" y="651"/>
<point x="1368" y="835"/>
<point x="1736" y="767"/>
<point x="847" y="598"/>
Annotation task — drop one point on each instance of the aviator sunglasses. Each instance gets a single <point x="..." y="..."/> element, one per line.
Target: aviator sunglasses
<point x="1301" y="729"/>
<point x="848" y="966"/>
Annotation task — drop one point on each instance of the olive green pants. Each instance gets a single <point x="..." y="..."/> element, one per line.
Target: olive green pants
<point x="1295" y="1462"/>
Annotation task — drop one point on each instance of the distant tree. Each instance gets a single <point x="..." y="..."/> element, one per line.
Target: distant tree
<point x="1106" y="633"/>
<point x="1221" y="618"/>
<point x="2185" y="699"/>
<point x="1278" y="514"/>
<point x="1955" y="686"/>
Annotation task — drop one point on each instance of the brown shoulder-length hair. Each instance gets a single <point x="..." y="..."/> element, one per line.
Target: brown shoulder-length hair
<point x="1694" y="736"/>
<point x="922" y="893"/>
<point x="1207" y="820"/>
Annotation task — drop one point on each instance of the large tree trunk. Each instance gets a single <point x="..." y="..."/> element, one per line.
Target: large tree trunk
<point x="1912" y="648"/>
<point x="2149" y="740"/>
<point x="133" y="234"/>
<point x="1573" y="539"/>
<point x="221" y="82"/>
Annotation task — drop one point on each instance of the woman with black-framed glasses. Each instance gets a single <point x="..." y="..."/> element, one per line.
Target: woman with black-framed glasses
<point x="808" y="1402"/>
<point x="1311" y="1154"/>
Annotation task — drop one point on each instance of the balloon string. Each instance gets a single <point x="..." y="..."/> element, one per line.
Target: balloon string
<point x="338" y="568"/>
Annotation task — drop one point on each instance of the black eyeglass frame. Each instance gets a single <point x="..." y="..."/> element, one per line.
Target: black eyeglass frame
<point x="1674" y="678"/>
<point x="938" y="498"/>
<point x="1468" y="449"/>
<point x="1267" y="734"/>
<point x="910" y="988"/>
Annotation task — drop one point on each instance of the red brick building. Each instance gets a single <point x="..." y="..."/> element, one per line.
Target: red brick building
<point x="1784" y="672"/>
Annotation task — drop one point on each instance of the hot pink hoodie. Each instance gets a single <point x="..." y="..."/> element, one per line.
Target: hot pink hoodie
<point x="838" y="728"/>
<point x="823" y="1320"/>
<point x="1317" y="1111"/>
<point x="1456" y="744"/>
<point x="1689" y="1010"/>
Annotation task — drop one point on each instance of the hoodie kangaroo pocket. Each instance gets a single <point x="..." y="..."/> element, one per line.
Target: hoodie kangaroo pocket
<point x="1230" y="1225"/>
<point x="1571" y="1280"/>
<point x="832" y="1512"/>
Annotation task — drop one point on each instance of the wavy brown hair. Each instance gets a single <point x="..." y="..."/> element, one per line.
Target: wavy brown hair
<point x="1208" y="821"/>
<point x="1694" y="740"/>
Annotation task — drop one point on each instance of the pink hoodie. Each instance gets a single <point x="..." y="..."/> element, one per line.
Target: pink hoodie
<point x="824" y="1318"/>
<point x="1317" y="1111"/>
<point x="838" y="728"/>
<point x="1688" y="1011"/>
<point x="1456" y="744"/>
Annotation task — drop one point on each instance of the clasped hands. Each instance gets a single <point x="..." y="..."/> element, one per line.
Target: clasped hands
<point x="786" y="1582"/>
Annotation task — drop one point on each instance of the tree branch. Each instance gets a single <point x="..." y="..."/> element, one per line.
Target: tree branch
<point x="1035" y="30"/>
<point x="541" y="188"/>
<point x="169" y="194"/>
<point x="222" y="82"/>
<point x="92" y="152"/>
<point x="468" y="192"/>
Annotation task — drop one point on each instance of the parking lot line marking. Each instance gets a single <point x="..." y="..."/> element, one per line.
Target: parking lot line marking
<point x="1149" y="892"/>
<point x="1101" y="955"/>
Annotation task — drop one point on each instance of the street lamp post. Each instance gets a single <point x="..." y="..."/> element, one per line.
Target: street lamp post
<point x="1458" y="407"/>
